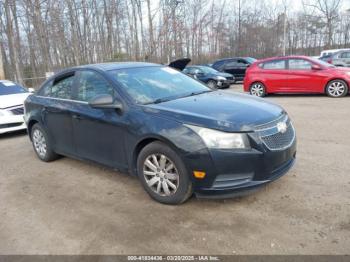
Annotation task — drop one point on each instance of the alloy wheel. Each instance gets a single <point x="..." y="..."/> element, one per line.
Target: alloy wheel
<point x="39" y="142"/>
<point x="257" y="89"/>
<point x="161" y="174"/>
<point x="212" y="85"/>
<point x="336" y="89"/>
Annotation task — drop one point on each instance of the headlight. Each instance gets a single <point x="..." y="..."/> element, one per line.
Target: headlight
<point x="223" y="140"/>
<point x="220" y="78"/>
<point x="348" y="73"/>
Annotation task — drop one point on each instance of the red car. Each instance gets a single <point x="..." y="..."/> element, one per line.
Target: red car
<point x="296" y="74"/>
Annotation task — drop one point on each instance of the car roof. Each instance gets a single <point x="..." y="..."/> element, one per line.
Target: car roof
<point x="236" y="57"/>
<point x="283" y="57"/>
<point x="229" y="58"/>
<point x="114" y="65"/>
<point x="196" y="66"/>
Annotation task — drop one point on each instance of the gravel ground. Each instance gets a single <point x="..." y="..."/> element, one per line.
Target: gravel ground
<point x="72" y="207"/>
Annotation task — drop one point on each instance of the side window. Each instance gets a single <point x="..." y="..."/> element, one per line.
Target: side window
<point x="276" y="64"/>
<point x="345" y="55"/>
<point x="92" y="84"/>
<point x="242" y="62"/>
<point x="231" y="64"/>
<point x="46" y="89"/>
<point x="218" y="65"/>
<point x="299" y="64"/>
<point x="62" y="87"/>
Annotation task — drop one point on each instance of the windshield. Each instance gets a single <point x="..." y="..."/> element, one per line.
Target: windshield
<point x="208" y="70"/>
<point x="250" y="59"/>
<point x="9" y="88"/>
<point x="156" y="84"/>
<point x="321" y="62"/>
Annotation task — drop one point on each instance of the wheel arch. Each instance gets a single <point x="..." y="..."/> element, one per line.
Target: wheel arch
<point x="30" y="125"/>
<point x="143" y="143"/>
<point x="333" y="79"/>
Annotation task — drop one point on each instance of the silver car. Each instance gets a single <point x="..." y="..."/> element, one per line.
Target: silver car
<point x="341" y="58"/>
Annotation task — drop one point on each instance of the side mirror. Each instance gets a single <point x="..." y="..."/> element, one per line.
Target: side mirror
<point x="316" y="67"/>
<point x="105" y="101"/>
<point x="31" y="90"/>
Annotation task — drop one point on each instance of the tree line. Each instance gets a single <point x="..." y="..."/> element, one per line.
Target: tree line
<point x="39" y="36"/>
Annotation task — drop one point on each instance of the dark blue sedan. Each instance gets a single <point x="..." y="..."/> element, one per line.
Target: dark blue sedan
<point x="213" y="78"/>
<point x="173" y="132"/>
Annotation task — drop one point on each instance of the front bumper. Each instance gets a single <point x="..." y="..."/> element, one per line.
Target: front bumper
<point x="245" y="188"/>
<point x="11" y="123"/>
<point x="227" y="83"/>
<point x="232" y="173"/>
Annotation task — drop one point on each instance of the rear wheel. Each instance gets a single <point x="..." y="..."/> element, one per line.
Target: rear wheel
<point x="163" y="174"/>
<point x="41" y="144"/>
<point x="257" y="89"/>
<point x="336" y="88"/>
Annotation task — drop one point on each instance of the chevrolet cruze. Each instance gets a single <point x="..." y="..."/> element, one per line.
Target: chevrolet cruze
<point x="173" y="132"/>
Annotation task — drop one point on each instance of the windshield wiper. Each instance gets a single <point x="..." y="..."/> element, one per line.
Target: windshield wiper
<point x="197" y="93"/>
<point x="161" y="100"/>
<point x="158" y="100"/>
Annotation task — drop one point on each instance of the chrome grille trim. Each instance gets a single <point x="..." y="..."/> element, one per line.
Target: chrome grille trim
<point x="17" y="110"/>
<point x="280" y="141"/>
<point x="272" y="138"/>
<point x="273" y="123"/>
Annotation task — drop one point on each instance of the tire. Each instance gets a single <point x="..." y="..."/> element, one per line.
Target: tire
<point x="212" y="84"/>
<point x="257" y="89"/>
<point x="337" y="88"/>
<point x="41" y="144"/>
<point x="155" y="179"/>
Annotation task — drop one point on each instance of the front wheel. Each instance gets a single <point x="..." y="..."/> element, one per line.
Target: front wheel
<point x="163" y="174"/>
<point x="41" y="144"/>
<point x="336" y="88"/>
<point x="257" y="89"/>
<point x="212" y="84"/>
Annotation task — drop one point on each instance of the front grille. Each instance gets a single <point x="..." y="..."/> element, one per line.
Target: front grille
<point x="17" y="111"/>
<point x="229" y="78"/>
<point x="279" y="141"/>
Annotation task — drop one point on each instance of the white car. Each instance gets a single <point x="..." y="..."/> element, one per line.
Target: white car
<point x="12" y="97"/>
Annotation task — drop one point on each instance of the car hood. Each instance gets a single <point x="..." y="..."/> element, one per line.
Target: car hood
<point x="223" y="74"/>
<point x="12" y="100"/>
<point x="226" y="111"/>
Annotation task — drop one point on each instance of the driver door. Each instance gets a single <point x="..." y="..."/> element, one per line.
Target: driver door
<point x="98" y="133"/>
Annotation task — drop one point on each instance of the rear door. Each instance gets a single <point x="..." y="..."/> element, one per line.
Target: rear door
<point x="56" y="112"/>
<point x="274" y="75"/>
<point x="231" y="67"/>
<point x="98" y="133"/>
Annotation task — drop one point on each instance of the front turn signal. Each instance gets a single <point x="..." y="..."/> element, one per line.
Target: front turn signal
<point x="199" y="174"/>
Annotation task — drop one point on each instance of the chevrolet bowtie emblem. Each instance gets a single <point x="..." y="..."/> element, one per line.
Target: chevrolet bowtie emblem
<point x="282" y="127"/>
